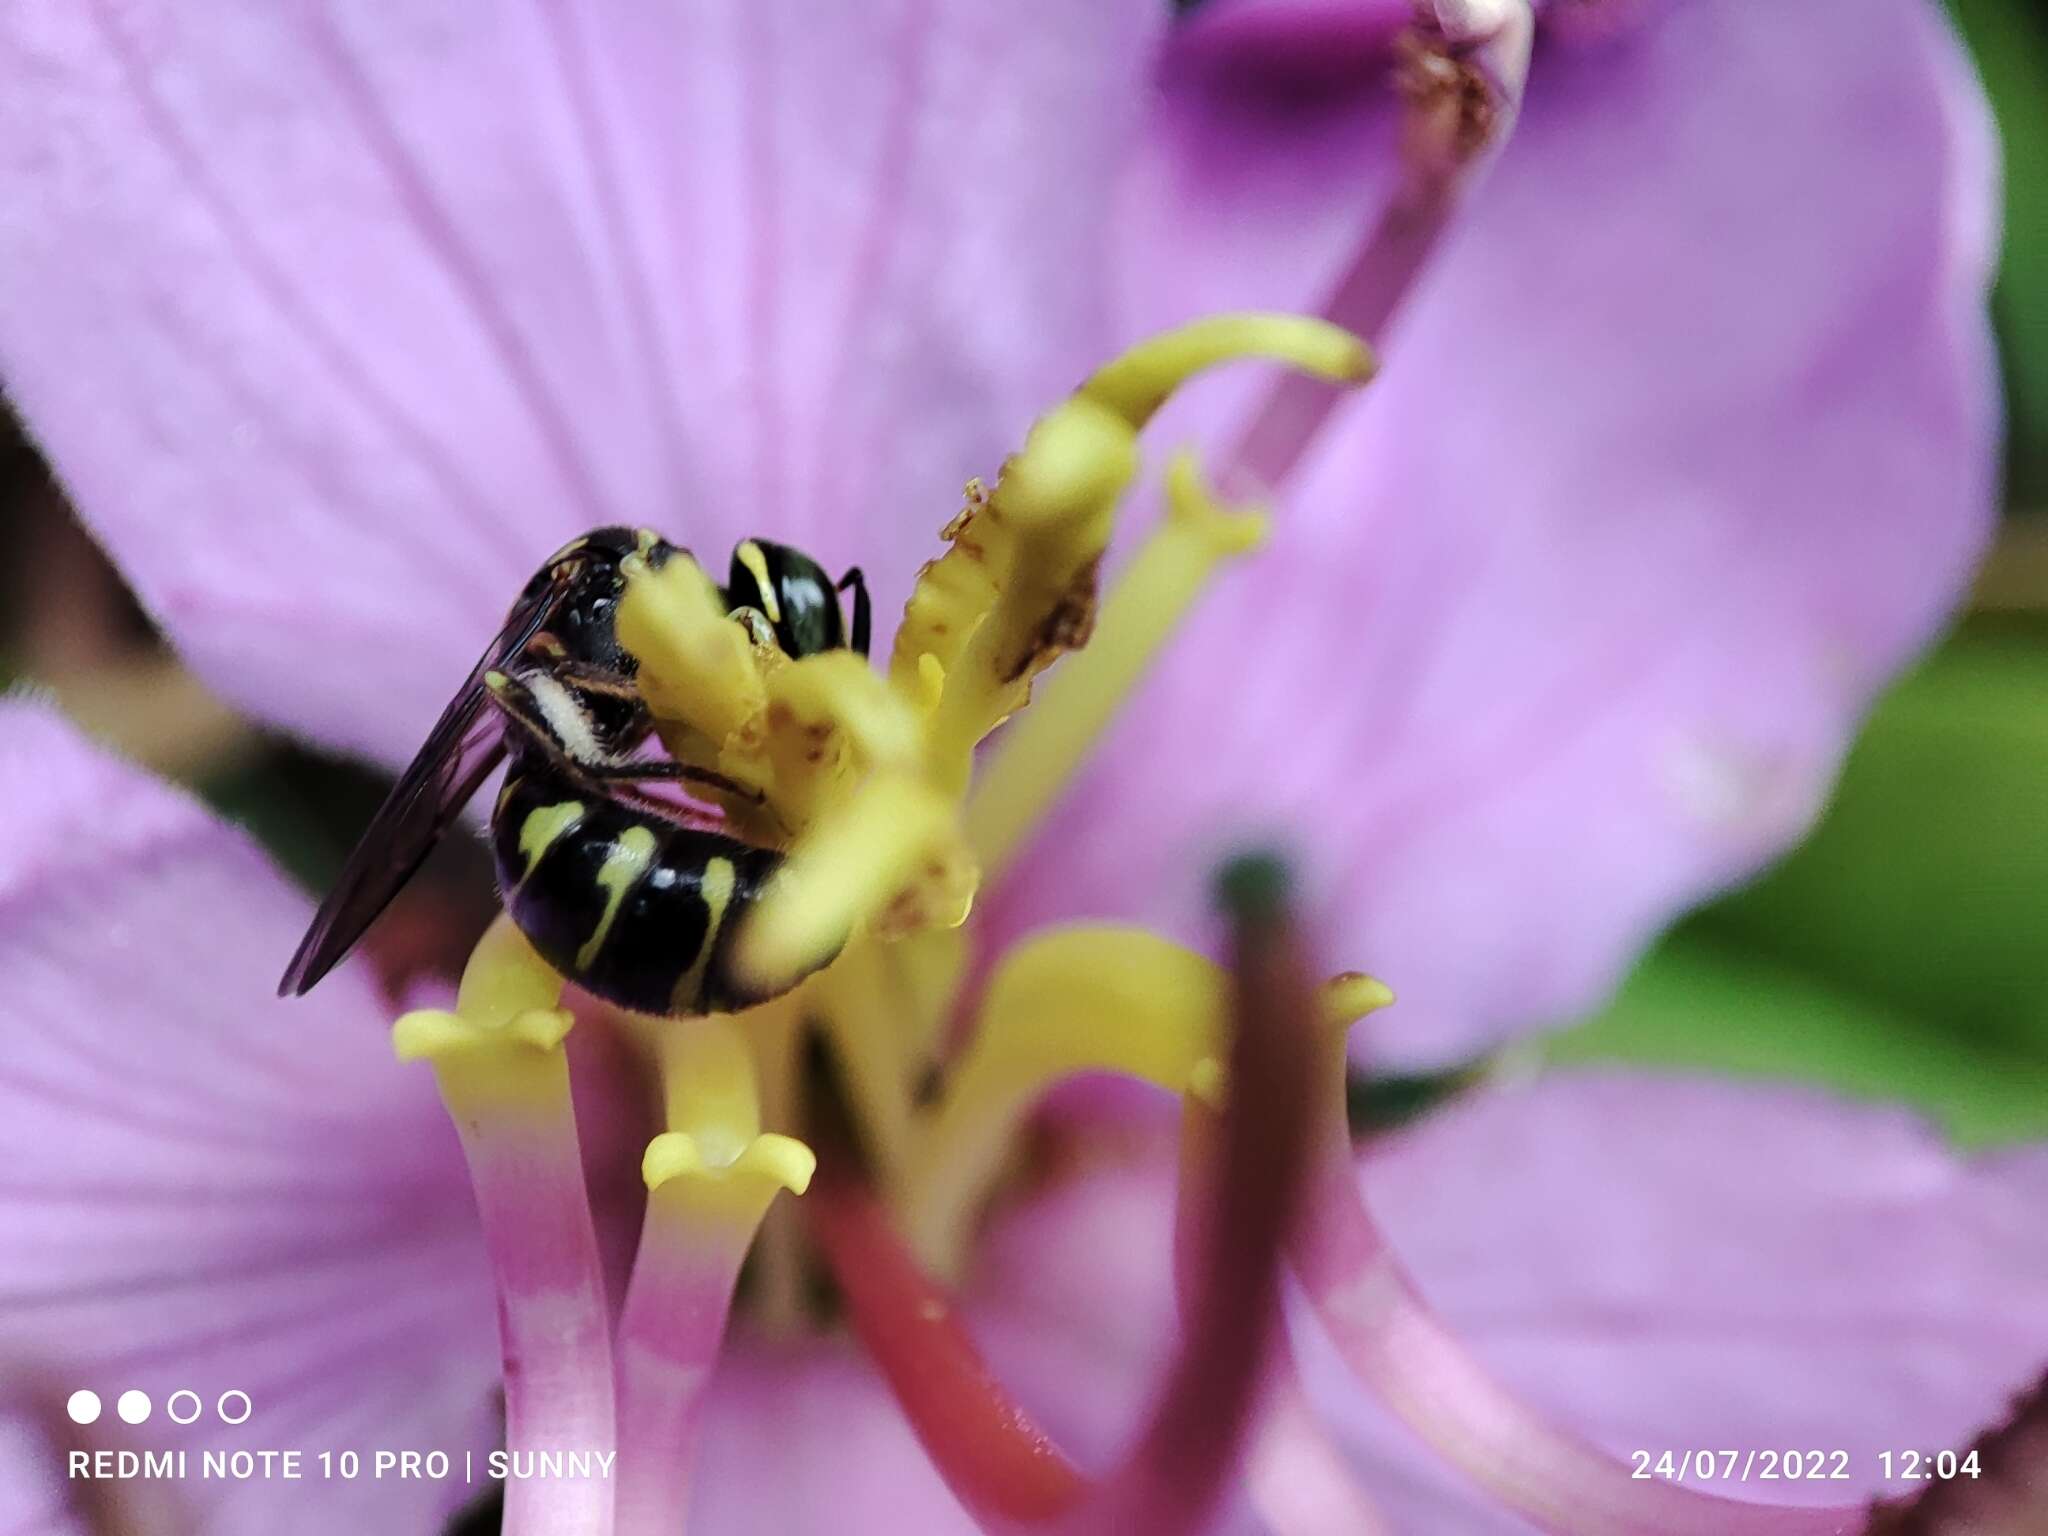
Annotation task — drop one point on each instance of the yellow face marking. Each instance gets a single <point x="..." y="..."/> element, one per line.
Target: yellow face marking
<point x="543" y="825"/>
<point x="749" y="555"/>
<point x="716" y="889"/>
<point x="644" y="539"/>
<point x="622" y="870"/>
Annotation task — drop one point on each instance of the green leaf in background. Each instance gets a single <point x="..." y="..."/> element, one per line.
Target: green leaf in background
<point x="1902" y="951"/>
<point x="1697" y="1005"/>
<point x="2010" y="41"/>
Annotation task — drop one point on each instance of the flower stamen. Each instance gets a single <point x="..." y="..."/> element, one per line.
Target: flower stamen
<point x="710" y="1178"/>
<point x="1098" y="999"/>
<point x="499" y="1063"/>
<point x="1037" y="756"/>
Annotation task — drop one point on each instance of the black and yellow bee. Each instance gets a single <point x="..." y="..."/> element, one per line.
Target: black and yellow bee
<point x="613" y="887"/>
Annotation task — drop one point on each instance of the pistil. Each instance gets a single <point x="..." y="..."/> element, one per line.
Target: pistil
<point x="499" y="1063"/>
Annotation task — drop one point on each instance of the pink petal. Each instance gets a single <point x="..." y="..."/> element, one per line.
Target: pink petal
<point x="1684" y="445"/>
<point x="804" y="1438"/>
<point x="31" y="1465"/>
<point x="204" y="1188"/>
<point x="1665" y="1263"/>
<point x="336" y="319"/>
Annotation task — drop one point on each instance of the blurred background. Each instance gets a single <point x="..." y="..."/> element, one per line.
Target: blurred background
<point x="1901" y="953"/>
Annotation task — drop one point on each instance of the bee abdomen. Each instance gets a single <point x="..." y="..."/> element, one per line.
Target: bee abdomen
<point x="637" y="910"/>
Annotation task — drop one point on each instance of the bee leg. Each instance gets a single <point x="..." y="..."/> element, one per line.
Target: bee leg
<point x="515" y="700"/>
<point x="656" y="771"/>
<point x="861" y="615"/>
<point x="585" y="678"/>
<point x="756" y="624"/>
<point x="517" y="704"/>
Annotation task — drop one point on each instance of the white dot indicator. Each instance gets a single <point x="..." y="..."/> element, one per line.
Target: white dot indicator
<point x="133" y="1406"/>
<point x="221" y="1407"/>
<point x="171" y="1407"/>
<point x="83" y="1406"/>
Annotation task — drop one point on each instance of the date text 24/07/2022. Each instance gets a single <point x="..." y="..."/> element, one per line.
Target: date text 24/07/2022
<point x="1762" y="1466"/>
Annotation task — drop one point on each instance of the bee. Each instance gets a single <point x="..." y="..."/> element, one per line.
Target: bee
<point x="614" y="887"/>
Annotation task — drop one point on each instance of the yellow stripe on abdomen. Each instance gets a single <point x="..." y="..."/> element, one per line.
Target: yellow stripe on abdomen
<point x="543" y="825"/>
<point x="623" y="868"/>
<point x="715" y="886"/>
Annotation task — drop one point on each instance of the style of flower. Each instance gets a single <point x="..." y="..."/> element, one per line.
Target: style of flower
<point x="1470" y="588"/>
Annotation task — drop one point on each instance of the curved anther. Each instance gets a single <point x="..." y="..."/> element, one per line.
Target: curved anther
<point x="1036" y="757"/>
<point x="1139" y="382"/>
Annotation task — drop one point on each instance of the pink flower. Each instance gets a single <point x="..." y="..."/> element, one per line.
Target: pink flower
<point x="335" y="318"/>
<point x="269" y="1205"/>
<point x="1687" y="444"/>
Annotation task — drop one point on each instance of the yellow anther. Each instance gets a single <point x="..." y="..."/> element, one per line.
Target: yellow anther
<point x="928" y="685"/>
<point x="1038" y="755"/>
<point x="1136" y="384"/>
<point x="830" y="718"/>
<point x="696" y="665"/>
<point x="1017" y="587"/>
<point x="1346" y="998"/>
<point x="426" y="1033"/>
<point x="889" y="856"/>
<point x="839" y="689"/>
<point x="1351" y="995"/>
<point x="707" y="1079"/>
<point x="713" y="1110"/>
<point x="1032" y="551"/>
<point x="781" y="1162"/>
<point x="497" y="1057"/>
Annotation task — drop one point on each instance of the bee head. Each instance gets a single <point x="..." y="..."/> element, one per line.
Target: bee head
<point x="791" y="591"/>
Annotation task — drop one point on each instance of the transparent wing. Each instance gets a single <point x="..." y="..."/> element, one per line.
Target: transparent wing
<point x="467" y="742"/>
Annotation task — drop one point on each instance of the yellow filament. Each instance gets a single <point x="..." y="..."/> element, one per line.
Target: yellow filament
<point x="1039" y="753"/>
<point x="855" y="1004"/>
<point x="774" y="1031"/>
<point x="1110" y="998"/>
<point x="1098" y="999"/>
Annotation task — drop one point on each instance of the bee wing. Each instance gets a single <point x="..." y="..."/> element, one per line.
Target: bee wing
<point x="467" y="742"/>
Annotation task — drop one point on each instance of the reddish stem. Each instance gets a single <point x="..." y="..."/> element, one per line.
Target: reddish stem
<point x="1001" y="1466"/>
